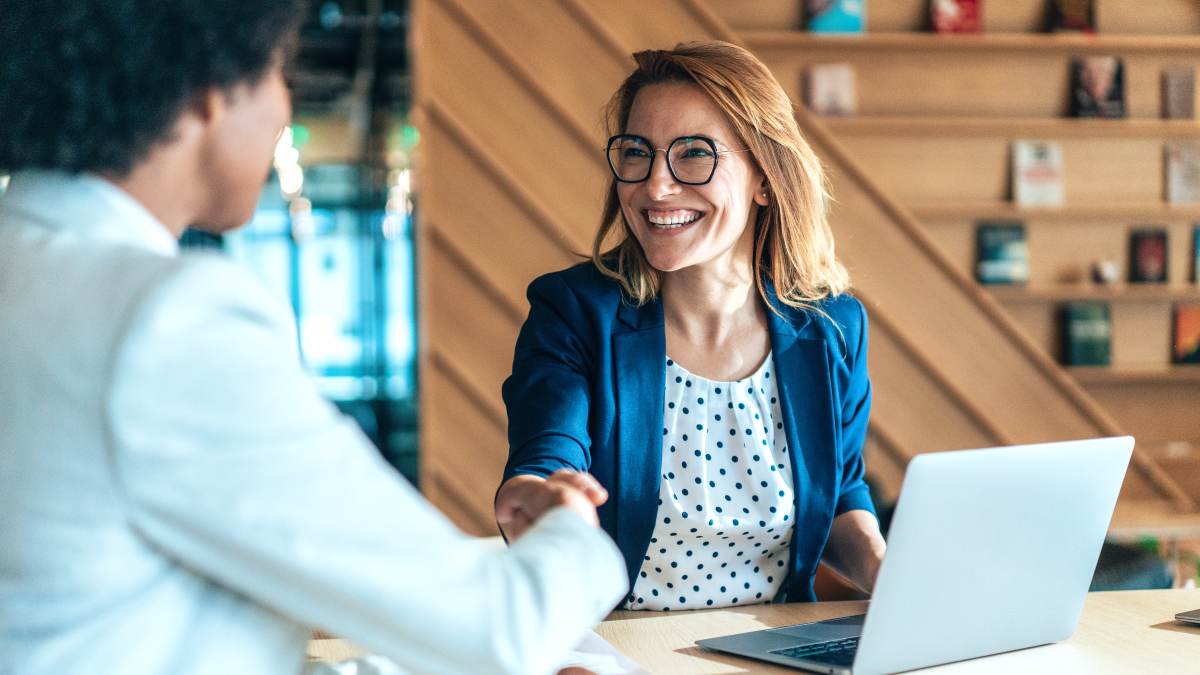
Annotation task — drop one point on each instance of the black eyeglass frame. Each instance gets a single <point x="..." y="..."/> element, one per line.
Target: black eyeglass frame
<point x="667" y="151"/>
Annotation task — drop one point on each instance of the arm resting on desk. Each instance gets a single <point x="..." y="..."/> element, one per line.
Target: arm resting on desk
<point x="855" y="548"/>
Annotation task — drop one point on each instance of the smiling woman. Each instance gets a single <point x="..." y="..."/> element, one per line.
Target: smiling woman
<point x="713" y="309"/>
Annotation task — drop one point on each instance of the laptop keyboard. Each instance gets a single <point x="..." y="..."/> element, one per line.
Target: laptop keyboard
<point x="835" y="653"/>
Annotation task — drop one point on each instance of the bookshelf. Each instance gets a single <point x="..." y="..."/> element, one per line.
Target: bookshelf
<point x="1149" y="210"/>
<point x="937" y="115"/>
<point x="1040" y="43"/>
<point x="1102" y="375"/>
<point x="1121" y="292"/>
<point x="1016" y="127"/>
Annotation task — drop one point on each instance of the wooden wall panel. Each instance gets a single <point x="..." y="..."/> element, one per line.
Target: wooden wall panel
<point x="559" y="58"/>
<point x="472" y="89"/>
<point x="925" y="419"/>
<point x="487" y="224"/>
<point x="637" y="25"/>
<point x="1160" y="17"/>
<point x="486" y="355"/>
<point x="1142" y="409"/>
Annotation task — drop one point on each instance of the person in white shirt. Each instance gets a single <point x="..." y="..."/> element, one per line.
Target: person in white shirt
<point x="175" y="497"/>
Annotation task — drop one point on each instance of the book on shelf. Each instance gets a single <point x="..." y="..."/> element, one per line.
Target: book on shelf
<point x="1187" y="333"/>
<point x="1178" y="93"/>
<point x="1148" y="255"/>
<point x="1037" y="178"/>
<point x="1087" y="329"/>
<point x="1071" y="16"/>
<point x="956" y="16"/>
<point x="1183" y="172"/>
<point x="1002" y="254"/>
<point x="836" y="16"/>
<point x="1097" y="87"/>
<point x="829" y="89"/>
<point x="1196" y="254"/>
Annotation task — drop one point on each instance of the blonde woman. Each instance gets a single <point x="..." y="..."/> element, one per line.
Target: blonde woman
<point x="704" y="378"/>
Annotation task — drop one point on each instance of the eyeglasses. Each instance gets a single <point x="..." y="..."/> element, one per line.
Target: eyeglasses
<point x="692" y="160"/>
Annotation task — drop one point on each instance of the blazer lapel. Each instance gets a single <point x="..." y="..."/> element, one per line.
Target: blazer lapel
<point x="806" y="401"/>
<point x="640" y="370"/>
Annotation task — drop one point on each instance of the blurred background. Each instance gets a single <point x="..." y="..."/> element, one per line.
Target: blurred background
<point x="333" y="232"/>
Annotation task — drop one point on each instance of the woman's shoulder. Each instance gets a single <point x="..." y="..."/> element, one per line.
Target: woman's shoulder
<point x="836" y="313"/>
<point x="580" y="284"/>
<point x="839" y="319"/>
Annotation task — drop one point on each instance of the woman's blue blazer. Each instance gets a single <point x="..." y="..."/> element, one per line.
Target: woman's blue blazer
<point x="586" y="393"/>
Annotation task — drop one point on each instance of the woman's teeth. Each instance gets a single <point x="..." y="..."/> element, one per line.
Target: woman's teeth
<point x="668" y="223"/>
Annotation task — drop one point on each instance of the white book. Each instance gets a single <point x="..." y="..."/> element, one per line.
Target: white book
<point x="1183" y="172"/>
<point x="830" y="90"/>
<point x="1037" y="173"/>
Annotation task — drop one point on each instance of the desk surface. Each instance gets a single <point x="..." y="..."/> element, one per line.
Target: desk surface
<point x="1119" y="632"/>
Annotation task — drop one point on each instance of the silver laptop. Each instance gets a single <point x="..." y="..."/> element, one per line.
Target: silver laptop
<point x="1189" y="617"/>
<point x="989" y="551"/>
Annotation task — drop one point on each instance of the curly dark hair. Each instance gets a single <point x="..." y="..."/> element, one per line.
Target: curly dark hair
<point x="93" y="85"/>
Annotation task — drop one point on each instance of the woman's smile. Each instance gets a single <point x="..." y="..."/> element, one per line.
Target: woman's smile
<point x="671" y="219"/>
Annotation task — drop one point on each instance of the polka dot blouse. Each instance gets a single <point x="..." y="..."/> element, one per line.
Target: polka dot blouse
<point x="725" y="508"/>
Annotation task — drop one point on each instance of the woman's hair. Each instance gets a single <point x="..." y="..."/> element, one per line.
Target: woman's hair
<point x="793" y="243"/>
<point x="93" y="85"/>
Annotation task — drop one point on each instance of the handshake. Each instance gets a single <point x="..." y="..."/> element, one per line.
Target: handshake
<point x="523" y="499"/>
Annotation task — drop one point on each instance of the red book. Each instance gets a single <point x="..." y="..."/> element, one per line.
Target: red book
<point x="1187" y="333"/>
<point x="956" y="16"/>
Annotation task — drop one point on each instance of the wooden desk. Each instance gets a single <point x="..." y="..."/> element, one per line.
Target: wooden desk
<point x="1120" y="632"/>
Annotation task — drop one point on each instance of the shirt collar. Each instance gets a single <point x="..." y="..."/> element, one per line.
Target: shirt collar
<point x="87" y="206"/>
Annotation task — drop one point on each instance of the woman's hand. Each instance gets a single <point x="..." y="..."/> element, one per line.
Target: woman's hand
<point x="522" y="500"/>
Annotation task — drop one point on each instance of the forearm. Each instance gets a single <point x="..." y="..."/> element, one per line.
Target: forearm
<point x="855" y="548"/>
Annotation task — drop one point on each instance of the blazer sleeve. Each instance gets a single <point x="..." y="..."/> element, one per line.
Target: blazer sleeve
<point x="855" y="411"/>
<point x="548" y="395"/>
<point x="232" y="465"/>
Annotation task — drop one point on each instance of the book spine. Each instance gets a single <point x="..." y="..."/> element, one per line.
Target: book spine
<point x="1088" y="333"/>
<point x="1178" y="93"/>
<point x="836" y="16"/>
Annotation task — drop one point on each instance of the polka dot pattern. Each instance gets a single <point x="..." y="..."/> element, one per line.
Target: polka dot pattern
<point x="724" y="520"/>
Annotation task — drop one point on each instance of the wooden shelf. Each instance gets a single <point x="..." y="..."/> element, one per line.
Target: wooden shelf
<point x="1107" y="375"/>
<point x="1051" y="128"/>
<point x="1007" y="42"/>
<point x="1116" y="292"/>
<point x="1069" y="212"/>
<point x="1135" y="521"/>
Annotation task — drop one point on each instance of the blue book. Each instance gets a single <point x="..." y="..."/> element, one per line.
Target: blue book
<point x="1088" y="334"/>
<point x="1002" y="254"/>
<point x="836" y="16"/>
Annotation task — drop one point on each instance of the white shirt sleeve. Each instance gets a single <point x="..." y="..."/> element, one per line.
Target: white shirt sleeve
<point x="234" y="466"/>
